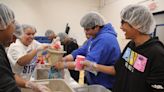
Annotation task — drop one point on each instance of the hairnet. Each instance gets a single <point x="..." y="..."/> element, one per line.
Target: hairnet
<point x="91" y="20"/>
<point x="139" y="17"/>
<point x="25" y="26"/>
<point x="49" y="32"/>
<point x="62" y="36"/>
<point x="6" y="16"/>
<point x="18" y="31"/>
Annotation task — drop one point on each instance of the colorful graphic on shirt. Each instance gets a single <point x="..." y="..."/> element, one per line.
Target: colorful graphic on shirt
<point x="127" y="54"/>
<point x="133" y="57"/>
<point x="134" y="60"/>
<point x="140" y="63"/>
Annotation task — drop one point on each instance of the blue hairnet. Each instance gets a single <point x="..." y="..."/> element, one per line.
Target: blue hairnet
<point x="91" y="20"/>
<point x="139" y="17"/>
<point x="6" y="16"/>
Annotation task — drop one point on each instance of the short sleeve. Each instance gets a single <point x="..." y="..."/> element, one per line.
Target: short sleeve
<point x="14" y="53"/>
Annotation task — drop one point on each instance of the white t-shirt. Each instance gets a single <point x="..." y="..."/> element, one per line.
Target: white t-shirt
<point x="16" y="51"/>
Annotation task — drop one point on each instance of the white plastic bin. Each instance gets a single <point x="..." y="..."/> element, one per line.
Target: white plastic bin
<point x="56" y="85"/>
<point x="41" y="73"/>
<point x="92" y="88"/>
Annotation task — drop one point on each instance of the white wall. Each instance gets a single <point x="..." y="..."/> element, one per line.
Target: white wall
<point x="53" y="14"/>
<point x="112" y="8"/>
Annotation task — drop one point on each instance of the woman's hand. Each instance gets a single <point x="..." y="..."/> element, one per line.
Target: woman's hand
<point x="37" y="87"/>
<point x="42" y="47"/>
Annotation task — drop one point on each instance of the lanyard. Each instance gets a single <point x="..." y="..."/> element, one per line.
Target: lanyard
<point x="89" y="48"/>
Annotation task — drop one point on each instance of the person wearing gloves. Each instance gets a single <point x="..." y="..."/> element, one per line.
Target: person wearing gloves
<point x="22" y="57"/>
<point x="20" y="81"/>
<point x="21" y="53"/>
<point x="9" y="80"/>
<point x="7" y="25"/>
<point x="140" y="67"/>
<point x="50" y="34"/>
<point x="69" y="46"/>
<point x="29" y="84"/>
<point x="101" y="48"/>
